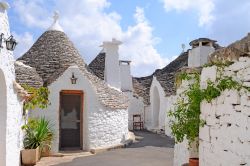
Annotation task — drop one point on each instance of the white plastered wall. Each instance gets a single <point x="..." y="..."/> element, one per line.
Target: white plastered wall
<point x="10" y="106"/>
<point x="136" y="106"/>
<point x="102" y="126"/>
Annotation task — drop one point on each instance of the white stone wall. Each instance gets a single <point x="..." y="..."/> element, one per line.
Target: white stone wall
<point x="225" y="139"/>
<point x="107" y="127"/>
<point x="10" y="107"/>
<point x="101" y="126"/>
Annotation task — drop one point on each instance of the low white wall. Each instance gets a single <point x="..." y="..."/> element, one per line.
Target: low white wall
<point x="224" y="140"/>
<point x="101" y="126"/>
<point x="181" y="153"/>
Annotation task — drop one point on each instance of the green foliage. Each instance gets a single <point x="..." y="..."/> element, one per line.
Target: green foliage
<point x="218" y="64"/>
<point x="187" y="115"/>
<point x="38" y="98"/>
<point x="37" y="133"/>
<point x="181" y="76"/>
<point x="228" y="83"/>
<point x="210" y="92"/>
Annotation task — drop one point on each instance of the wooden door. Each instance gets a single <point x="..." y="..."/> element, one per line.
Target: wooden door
<point x="71" y="120"/>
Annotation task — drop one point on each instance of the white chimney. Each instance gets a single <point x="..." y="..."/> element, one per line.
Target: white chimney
<point x="201" y="49"/>
<point x="126" y="78"/>
<point x="112" y="67"/>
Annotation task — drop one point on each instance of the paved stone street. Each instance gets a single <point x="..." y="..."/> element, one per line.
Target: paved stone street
<point x="149" y="150"/>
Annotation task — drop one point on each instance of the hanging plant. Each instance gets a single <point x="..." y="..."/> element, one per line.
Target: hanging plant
<point x="38" y="98"/>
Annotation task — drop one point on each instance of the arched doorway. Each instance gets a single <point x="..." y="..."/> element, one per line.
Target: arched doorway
<point x="3" y="112"/>
<point x="156" y="108"/>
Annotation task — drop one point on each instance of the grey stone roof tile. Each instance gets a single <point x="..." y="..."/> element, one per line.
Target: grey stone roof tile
<point x="26" y="75"/>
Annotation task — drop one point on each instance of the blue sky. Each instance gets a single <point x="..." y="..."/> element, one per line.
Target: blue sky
<point x="152" y="30"/>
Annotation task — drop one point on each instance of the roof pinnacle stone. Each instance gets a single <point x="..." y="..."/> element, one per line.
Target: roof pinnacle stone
<point x="55" y="25"/>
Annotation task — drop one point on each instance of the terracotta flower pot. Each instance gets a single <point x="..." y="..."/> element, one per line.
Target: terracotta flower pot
<point x="30" y="156"/>
<point x="45" y="152"/>
<point x="193" y="161"/>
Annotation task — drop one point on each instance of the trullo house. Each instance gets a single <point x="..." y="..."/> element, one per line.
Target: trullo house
<point x="86" y="112"/>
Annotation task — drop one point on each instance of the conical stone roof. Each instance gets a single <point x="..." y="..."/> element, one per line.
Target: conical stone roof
<point x="53" y="53"/>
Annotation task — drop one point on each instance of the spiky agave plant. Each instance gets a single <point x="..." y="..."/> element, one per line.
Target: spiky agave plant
<point x="37" y="133"/>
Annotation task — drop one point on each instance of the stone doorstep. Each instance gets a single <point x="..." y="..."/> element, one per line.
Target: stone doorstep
<point x="92" y="151"/>
<point x="100" y="150"/>
<point x="70" y="153"/>
<point x="97" y="150"/>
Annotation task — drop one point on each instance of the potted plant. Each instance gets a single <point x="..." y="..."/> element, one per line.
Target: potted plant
<point x="37" y="136"/>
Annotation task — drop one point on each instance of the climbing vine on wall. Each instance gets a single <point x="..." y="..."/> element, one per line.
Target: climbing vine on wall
<point x="38" y="98"/>
<point x="187" y="114"/>
<point x="186" y="117"/>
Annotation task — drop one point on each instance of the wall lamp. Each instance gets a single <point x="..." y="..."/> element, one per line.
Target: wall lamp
<point x="73" y="79"/>
<point x="10" y="42"/>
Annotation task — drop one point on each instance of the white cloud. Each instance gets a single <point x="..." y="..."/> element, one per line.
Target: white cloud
<point x="204" y="8"/>
<point x="24" y="40"/>
<point x="88" y="24"/>
<point x="139" y="46"/>
<point x="32" y="13"/>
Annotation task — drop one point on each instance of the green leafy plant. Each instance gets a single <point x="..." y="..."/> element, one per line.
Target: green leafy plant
<point x="210" y="92"/>
<point x="37" y="133"/>
<point x="187" y="114"/>
<point x="181" y="76"/>
<point x="218" y="64"/>
<point x="228" y="83"/>
<point x="38" y="98"/>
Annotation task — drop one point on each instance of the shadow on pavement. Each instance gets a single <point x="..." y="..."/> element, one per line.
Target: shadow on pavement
<point x="146" y="138"/>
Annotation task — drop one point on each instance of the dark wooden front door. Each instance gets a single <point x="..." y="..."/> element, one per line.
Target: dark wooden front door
<point x="71" y="120"/>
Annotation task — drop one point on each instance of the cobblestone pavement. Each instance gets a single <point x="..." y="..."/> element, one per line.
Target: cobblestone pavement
<point x="148" y="150"/>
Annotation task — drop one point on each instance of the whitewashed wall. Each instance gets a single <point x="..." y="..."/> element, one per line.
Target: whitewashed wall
<point x="136" y="106"/>
<point x="147" y="116"/>
<point x="225" y="139"/>
<point x="102" y="126"/>
<point x="10" y="106"/>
